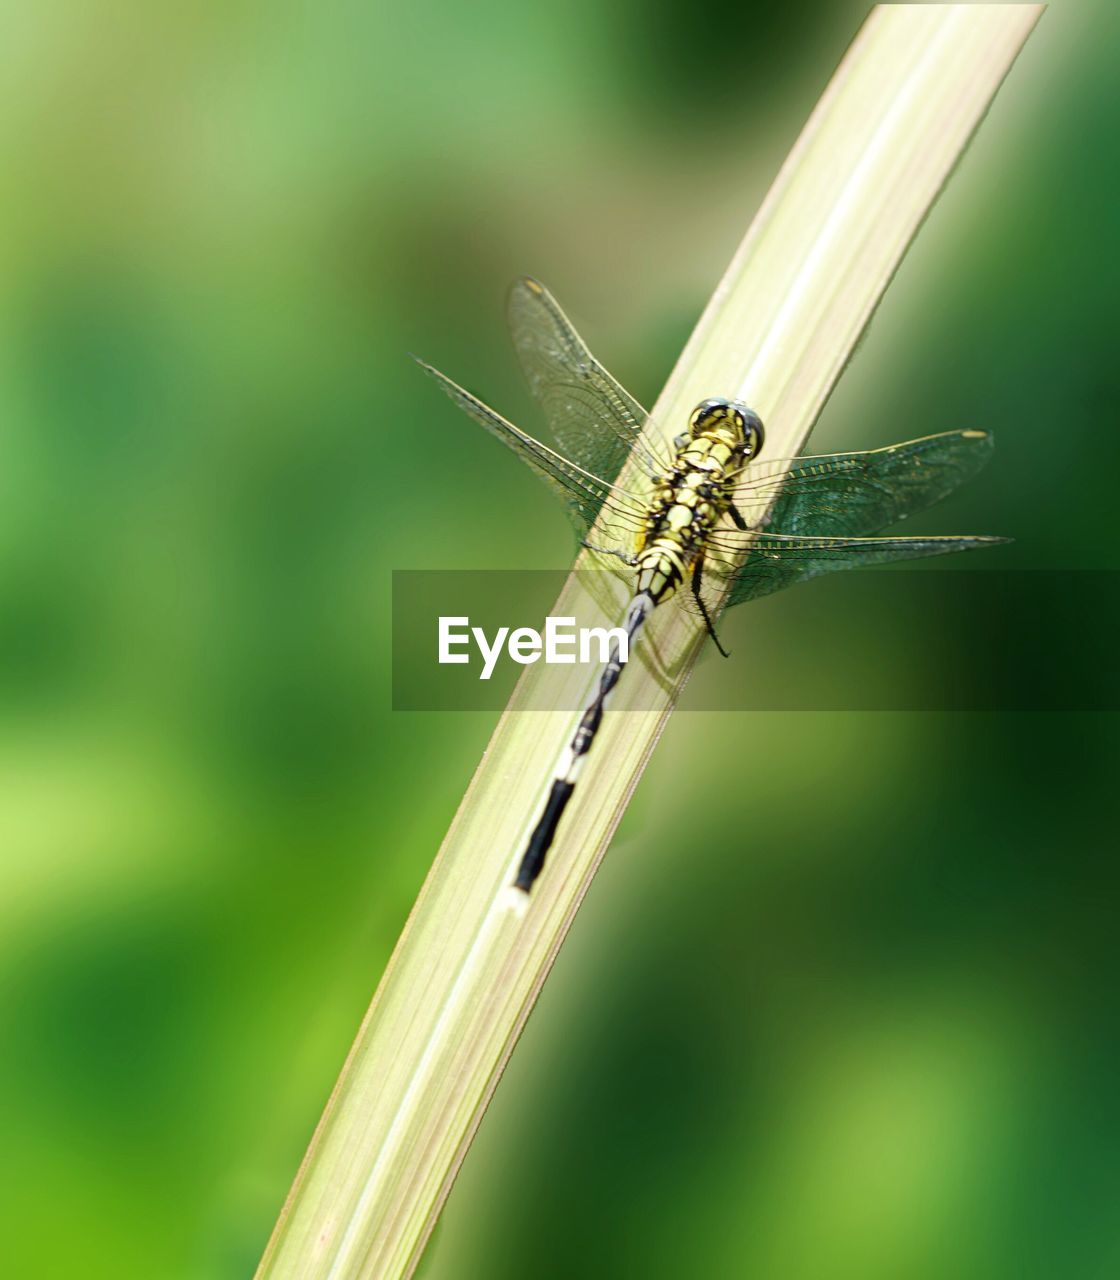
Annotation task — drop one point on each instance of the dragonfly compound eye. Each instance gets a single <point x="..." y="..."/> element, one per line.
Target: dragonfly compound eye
<point x="712" y="415"/>
<point x="754" y="437"/>
<point x="733" y="420"/>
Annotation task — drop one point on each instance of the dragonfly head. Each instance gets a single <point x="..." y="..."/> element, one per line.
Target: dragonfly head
<point x="732" y="422"/>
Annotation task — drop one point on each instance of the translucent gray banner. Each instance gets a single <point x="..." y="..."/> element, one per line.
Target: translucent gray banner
<point x="923" y="639"/>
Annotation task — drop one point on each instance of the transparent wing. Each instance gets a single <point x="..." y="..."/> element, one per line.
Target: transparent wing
<point x="848" y="494"/>
<point x="594" y="420"/>
<point x="824" y="506"/>
<point x="775" y="562"/>
<point x="583" y="493"/>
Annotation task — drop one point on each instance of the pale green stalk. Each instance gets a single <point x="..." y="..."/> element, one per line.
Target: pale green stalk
<point x="776" y="334"/>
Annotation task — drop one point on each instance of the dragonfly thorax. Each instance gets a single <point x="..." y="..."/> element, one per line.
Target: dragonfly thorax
<point x="695" y="494"/>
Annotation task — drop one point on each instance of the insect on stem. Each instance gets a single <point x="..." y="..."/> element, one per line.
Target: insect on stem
<point x="819" y="510"/>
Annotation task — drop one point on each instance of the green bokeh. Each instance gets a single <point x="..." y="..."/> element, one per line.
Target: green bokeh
<point x="841" y="1001"/>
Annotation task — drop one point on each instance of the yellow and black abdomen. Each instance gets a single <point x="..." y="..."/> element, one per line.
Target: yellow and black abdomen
<point x="661" y="569"/>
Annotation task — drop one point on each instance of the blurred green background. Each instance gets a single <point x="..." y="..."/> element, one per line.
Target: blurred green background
<point x="859" y="1021"/>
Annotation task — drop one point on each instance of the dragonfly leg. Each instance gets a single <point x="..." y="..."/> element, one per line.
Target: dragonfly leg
<point x="697" y="577"/>
<point x="626" y="559"/>
<point x="737" y="516"/>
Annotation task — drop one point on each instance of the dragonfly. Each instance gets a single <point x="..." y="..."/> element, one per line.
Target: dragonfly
<point x="687" y="529"/>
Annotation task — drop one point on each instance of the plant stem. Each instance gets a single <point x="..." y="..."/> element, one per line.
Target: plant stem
<point x="776" y="333"/>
